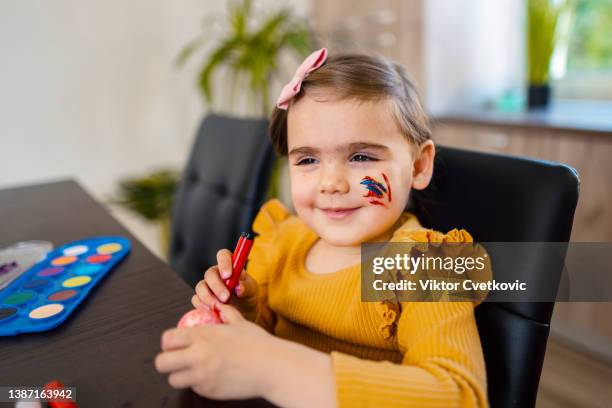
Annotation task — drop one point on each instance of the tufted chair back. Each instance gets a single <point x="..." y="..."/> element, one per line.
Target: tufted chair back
<point x="222" y="187"/>
<point x="500" y="198"/>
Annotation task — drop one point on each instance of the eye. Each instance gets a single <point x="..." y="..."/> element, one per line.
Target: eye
<point x="360" y="157"/>
<point x="305" y="161"/>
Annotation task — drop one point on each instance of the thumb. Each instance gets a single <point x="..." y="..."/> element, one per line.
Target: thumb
<point x="228" y="313"/>
<point x="247" y="287"/>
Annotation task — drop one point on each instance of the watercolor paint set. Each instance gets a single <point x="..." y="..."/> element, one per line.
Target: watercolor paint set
<point x="43" y="297"/>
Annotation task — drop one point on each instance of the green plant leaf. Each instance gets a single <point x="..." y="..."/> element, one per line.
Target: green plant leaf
<point x="217" y="57"/>
<point x="542" y="19"/>
<point x="150" y="196"/>
<point x="253" y="54"/>
<point x="239" y="16"/>
<point x="187" y="51"/>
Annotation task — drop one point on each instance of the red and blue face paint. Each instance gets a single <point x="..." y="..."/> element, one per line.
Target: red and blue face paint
<point x="377" y="191"/>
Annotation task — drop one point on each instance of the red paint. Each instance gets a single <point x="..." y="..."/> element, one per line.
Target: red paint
<point x="388" y="185"/>
<point x="56" y="385"/>
<point x="379" y="193"/>
<point x="62" y="295"/>
<point x="99" y="258"/>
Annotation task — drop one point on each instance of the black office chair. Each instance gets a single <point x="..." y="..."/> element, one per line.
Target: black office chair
<point x="221" y="190"/>
<point x="500" y="198"/>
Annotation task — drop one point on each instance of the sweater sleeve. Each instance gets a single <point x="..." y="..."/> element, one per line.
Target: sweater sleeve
<point x="263" y="260"/>
<point x="442" y="363"/>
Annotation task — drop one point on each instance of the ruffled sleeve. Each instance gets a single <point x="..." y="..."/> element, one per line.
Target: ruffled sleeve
<point x="263" y="260"/>
<point x="413" y="232"/>
<point x="442" y="363"/>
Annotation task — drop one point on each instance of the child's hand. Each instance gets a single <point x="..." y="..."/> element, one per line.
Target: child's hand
<point x="222" y="361"/>
<point x="212" y="289"/>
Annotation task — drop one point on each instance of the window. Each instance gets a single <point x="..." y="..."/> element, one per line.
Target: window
<point x="586" y="72"/>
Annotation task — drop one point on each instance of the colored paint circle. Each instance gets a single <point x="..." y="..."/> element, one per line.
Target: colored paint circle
<point x="36" y="284"/>
<point x="110" y="248"/>
<point x="94" y="259"/>
<point x="46" y="311"/>
<point x="62" y="295"/>
<point x="63" y="260"/>
<point x="19" y="298"/>
<point x="76" y="250"/>
<point x="76" y="281"/>
<point x="88" y="269"/>
<point x="50" y="272"/>
<point x="7" y="313"/>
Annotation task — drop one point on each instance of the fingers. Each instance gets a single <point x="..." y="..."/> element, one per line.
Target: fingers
<point x="175" y="338"/>
<point x="224" y="262"/>
<point x="204" y="294"/>
<point x="170" y="361"/>
<point x="215" y="285"/>
<point x="246" y="286"/>
<point x="181" y="379"/>
<point x="229" y="314"/>
<point x="196" y="302"/>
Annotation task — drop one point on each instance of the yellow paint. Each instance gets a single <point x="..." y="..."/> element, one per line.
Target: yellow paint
<point x="63" y="260"/>
<point x="45" y="311"/>
<point x="107" y="249"/>
<point x="76" y="281"/>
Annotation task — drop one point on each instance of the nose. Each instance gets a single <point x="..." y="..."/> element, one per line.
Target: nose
<point x="333" y="180"/>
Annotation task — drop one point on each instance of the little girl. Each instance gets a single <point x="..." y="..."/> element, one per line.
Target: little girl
<point x="296" y="332"/>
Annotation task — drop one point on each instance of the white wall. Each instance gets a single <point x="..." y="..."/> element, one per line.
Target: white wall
<point x="473" y="51"/>
<point x="88" y="90"/>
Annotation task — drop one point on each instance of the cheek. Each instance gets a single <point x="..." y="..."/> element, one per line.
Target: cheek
<point x="303" y="189"/>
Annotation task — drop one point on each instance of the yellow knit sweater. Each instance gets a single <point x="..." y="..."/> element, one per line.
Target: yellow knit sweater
<point x="420" y="354"/>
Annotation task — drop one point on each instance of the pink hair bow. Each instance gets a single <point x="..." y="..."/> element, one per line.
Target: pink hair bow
<point x="312" y="62"/>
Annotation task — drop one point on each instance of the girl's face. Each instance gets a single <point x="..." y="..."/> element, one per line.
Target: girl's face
<point x="351" y="169"/>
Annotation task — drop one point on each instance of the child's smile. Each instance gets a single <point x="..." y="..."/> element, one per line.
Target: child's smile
<point x="339" y="213"/>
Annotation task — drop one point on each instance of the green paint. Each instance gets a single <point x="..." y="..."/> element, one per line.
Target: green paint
<point x="19" y="298"/>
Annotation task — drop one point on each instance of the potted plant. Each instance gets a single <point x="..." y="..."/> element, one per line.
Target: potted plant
<point x="542" y="34"/>
<point x="151" y="197"/>
<point x="250" y="51"/>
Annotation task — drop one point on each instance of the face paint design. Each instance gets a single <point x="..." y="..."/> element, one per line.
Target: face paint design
<point x="377" y="190"/>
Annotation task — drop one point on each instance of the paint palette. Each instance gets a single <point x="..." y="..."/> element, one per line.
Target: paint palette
<point x="46" y="294"/>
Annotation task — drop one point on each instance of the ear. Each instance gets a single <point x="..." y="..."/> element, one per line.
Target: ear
<point x="422" y="168"/>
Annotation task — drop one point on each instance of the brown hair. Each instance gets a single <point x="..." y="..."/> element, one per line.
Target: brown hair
<point x="364" y="78"/>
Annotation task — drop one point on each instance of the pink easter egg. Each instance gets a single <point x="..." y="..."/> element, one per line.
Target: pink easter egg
<point x="198" y="317"/>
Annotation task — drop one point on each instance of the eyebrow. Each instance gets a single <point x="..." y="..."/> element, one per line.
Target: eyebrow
<point x="302" y="150"/>
<point x="366" y="145"/>
<point x="352" y="146"/>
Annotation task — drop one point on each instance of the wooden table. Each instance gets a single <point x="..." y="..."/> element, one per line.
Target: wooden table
<point x="107" y="346"/>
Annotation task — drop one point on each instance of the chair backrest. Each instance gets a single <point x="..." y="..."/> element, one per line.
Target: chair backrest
<point x="500" y="198"/>
<point x="220" y="192"/>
